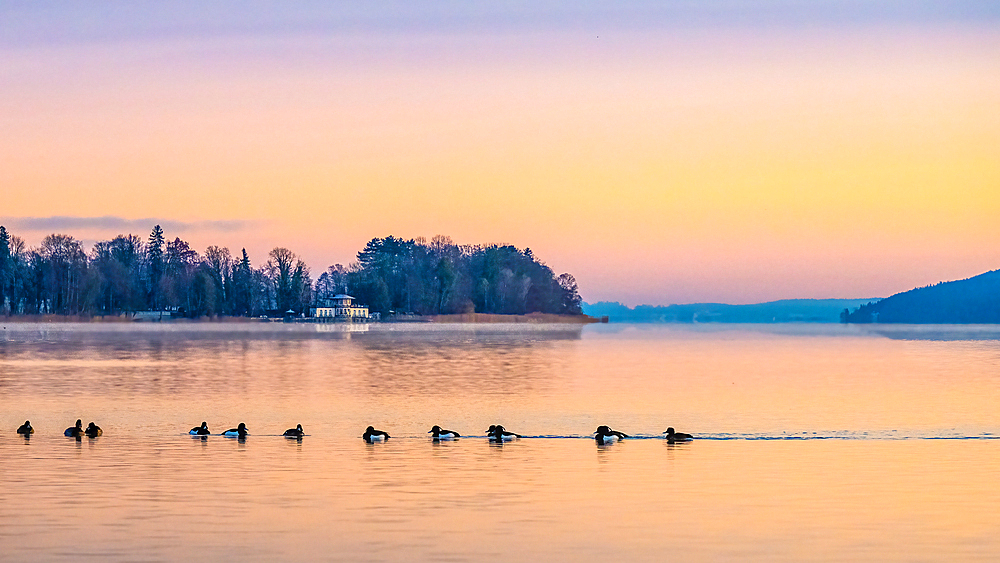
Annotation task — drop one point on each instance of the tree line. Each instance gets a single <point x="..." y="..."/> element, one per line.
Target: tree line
<point x="391" y="275"/>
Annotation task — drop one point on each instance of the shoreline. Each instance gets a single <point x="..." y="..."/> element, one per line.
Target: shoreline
<point x="85" y="319"/>
<point x="464" y="318"/>
<point x="530" y="318"/>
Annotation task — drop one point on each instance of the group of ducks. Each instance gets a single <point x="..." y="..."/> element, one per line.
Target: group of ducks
<point x="496" y="433"/>
<point x="242" y="432"/>
<point x="606" y="435"/>
<point x="76" y="431"/>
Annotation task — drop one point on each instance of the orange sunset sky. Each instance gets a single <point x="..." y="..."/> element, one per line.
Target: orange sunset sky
<point x="661" y="152"/>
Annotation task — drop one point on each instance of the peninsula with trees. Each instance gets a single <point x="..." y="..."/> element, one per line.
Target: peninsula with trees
<point x="128" y="274"/>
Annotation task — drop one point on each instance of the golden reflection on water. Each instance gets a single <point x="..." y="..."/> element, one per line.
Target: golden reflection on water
<point x="547" y="499"/>
<point x="877" y="491"/>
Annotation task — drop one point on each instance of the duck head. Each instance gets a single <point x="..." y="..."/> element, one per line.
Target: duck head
<point x="603" y="430"/>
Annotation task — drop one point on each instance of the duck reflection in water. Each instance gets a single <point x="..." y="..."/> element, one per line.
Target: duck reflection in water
<point x="371" y="435"/>
<point x="605" y="435"/>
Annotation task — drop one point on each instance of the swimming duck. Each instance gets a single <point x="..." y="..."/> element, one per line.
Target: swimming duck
<point x="606" y="435"/>
<point x="25" y="428"/>
<point x="677" y="436"/>
<point x="296" y="432"/>
<point x="240" y="431"/>
<point x="438" y="434"/>
<point x="74" y="431"/>
<point x="200" y="430"/>
<point x="498" y="433"/>
<point x="372" y="435"/>
<point x="93" y="430"/>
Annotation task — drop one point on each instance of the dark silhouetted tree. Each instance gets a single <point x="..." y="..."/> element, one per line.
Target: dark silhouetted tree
<point x="6" y="271"/>
<point x="221" y="265"/>
<point x="117" y="277"/>
<point x="178" y="275"/>
<point x="64" y="264"/>
<point x="291" y="287"/>
<point x="154" y="268"/>
<point x="570" y="296"/>
<point x="243" y="291"/>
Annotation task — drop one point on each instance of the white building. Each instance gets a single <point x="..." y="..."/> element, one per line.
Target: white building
<point x="342" y="307"/>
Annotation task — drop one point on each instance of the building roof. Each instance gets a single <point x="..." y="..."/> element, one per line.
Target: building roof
<point x="342" y="296"/>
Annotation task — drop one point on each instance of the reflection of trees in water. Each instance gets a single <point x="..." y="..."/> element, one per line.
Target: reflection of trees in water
<point x="468" y="361"/>
<point x="950" y="333"/>
<point x="276" y="361"/>
<point x="153" y="362"/>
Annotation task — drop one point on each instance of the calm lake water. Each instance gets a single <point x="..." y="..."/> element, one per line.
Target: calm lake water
<point x="816" y="443"/>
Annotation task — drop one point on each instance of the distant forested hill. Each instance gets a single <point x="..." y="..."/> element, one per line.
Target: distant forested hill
<point x="784" y="311"/>
<point x="975" y="300"/>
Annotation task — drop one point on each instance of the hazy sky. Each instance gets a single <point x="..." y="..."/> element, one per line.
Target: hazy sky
<point x="662" y="152"/>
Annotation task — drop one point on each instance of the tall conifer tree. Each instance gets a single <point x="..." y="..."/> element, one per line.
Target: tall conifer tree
<point x="154" y="253"/>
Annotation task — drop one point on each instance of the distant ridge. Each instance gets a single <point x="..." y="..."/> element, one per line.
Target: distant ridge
<point x="783" y="311"/>
<point x="975" y="300"/>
